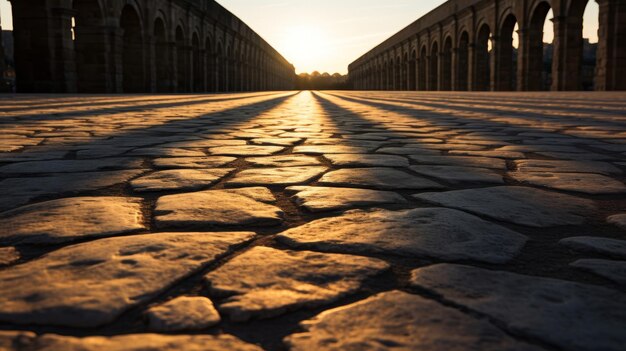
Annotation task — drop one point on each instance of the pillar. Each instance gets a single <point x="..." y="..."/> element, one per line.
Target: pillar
<point x="611" y="59"/>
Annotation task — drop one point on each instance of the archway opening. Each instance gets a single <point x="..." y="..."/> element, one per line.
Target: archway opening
<point x="210" y="65"/>
<point x="482" y="81"/>
<point x="405" y="71"/>
<point x="433" y="69"/>
<point x="397" y="71"/>
<point x="446" y="65"/>
<point x="132" y="52"/>
<point x="161" y="57"/>
<point x="413" y="71"/>
<point x="540" y="48"/>
<point x="89" y="47"/>
<point x="197" y="75"/>
<point x="463" y="63"/>
<point x="181" y="66"/>
<point x="390" y="74"/>
<point x="584" y="41"/>
<point x="507" y="55"/>
<point x="422" y="69"/>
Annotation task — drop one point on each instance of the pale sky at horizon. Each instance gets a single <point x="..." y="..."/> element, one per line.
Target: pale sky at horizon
<point x="327" y="35"/>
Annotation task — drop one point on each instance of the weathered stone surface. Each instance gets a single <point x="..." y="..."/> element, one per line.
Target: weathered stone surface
<point x="167" y="152"/>
<point x="284" y="161"/>
<point x="183" y="313"/>
<point x="587" y="183"/>
<point x="192" y="162"/>
<point x="488" y="153"/>
<point x="461" y="161"/>
<point x="8" y="255"/>
<point x="277" y="141"/>
<point x="569" y="315"/>
<point x="611" y="270"/>
<point x="520" y="205"/>
<point x="180" y="179"/>
<point x="90" y="284"/>
<point x="330" y="149"/>
<point x="320" y="199"/>
<point x="564" y="166"/>
<point x="18" y="191"/>
<point x="400" y="321"/>
<point x="68" y="219"/>
<point x="276" y="176"/>
<point x="408" y="151"/>
<point x="618" y="220"/>
<point x="248" y="206"/>
<point x="246" y="150"/>
<point x="367" y="160"/>
<point x="457" y="174"/>
<point x="71" y="166"/>
<point x="605" y="246"/>
<point x="265" y="282"/>
<point x="431" y="232"/>
<point x="379" y="178"/>
<point x="29" y="341"/>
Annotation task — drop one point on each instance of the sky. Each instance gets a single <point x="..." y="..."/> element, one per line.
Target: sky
<point x="327" y="35"/>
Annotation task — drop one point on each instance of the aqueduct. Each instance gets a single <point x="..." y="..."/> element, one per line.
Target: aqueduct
<point x="467" y="45"/>
<point x="115" y="46"/>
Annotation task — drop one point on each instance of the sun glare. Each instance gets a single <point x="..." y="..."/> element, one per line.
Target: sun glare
<point x="305" y="46"/>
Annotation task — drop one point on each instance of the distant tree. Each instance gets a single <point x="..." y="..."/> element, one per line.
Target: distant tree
<point x="322" y="81"/>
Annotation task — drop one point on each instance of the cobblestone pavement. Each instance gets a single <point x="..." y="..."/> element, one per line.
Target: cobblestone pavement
<point x="313" y="221"/>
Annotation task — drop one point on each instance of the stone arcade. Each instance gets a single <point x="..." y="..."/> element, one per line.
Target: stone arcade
<point x="129" y="46"/>
<point x="448" y="49"/>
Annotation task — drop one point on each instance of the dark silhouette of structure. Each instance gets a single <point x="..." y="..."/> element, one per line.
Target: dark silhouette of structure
<point x="130" y="46"/>
<point x="467" y="45"/>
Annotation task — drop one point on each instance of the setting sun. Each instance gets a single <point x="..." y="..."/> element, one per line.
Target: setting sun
<point x="305" y="45"/>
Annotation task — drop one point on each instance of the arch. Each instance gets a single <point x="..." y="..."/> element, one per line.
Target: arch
<point x="482" y="58"/>
<point x="433" y="67"/>
<point x="181" y="60"/>
<point x="413" y="71"/>
<point x="446" y="64"/>
<point x="462" y="66"/>
<point x="90" y="46"/>
<point x="574" y="78"/>
<point x="421" y="85"/>
<point x="506" y="60"/>
<point x="132" y="51"/>
<point x="161" y="56"/>
<point x="537" y="63"/>
<point x="397" y="76"/>
<point x="405" y="71"/>
<point x="197" y="76"/>
<point x="210" y="64"/>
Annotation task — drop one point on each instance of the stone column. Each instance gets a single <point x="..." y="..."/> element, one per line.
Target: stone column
<point x="611" y="55"/>
<point x="471" y="67"/>
<point x="566" y="58"/>
<point x="454" y="61"/>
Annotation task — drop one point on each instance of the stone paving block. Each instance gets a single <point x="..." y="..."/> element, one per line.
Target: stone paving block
<point x="19" y="191"/>
<point x="280" y="176"/>
<point x="426" y="232"/>
<point x="29" y="341"/>
<point x="9" y="255"/>
<point x="609" y="269"/>
<point x="284" y="161"/>
<point x="520" y="205"/>
<point x="246" y="150"/>
<point x="265" y="282"/>
<point x="69" y="219"/>
<point x="457" y="174"/>
<point x="366" y="160"/>
<point x="587" y="183"/>
<point x="192" y="162"/>
<point x="91" y="284"/>
<point x="183" y="313"/>
<point x="378" y="178"/>
<point x="179" y="179"/>
<point x="565" y="166"/>
<point x="570" y="316"/>
<point x="247" y="206"/>
<point x="618" y="220"/>
<point x="71" y="166"/>
<point x="397" y="320"/>
<point x="596" y="245"/>
<point x="461" y="161"/>
<point x="320" y="199"/>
